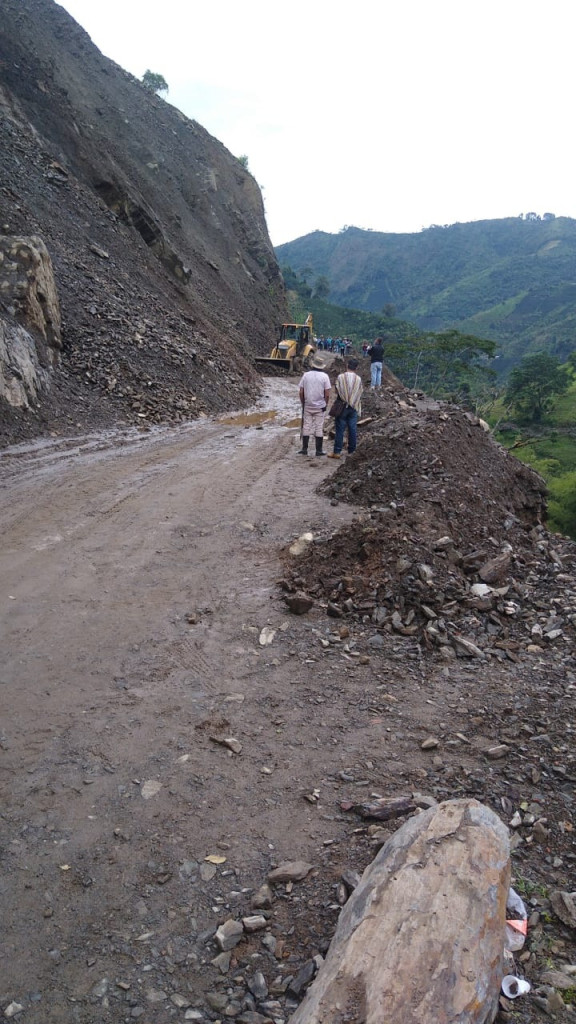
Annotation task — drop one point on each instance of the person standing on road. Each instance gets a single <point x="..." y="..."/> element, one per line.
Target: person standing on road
<point x="349" y="388"/>
<point x="314" y="393"/>
<point x="376" y="353"/>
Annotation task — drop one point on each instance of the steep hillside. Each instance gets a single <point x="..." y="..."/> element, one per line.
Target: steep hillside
<point x="511" y="280"/>
<point x="166" y="279"/>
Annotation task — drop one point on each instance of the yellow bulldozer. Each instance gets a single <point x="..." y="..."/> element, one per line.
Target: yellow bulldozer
<point x="293" y="349"/>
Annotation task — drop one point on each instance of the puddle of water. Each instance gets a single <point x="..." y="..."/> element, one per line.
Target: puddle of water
<point x="293" y="423"/>
<point x="250" y="419"/>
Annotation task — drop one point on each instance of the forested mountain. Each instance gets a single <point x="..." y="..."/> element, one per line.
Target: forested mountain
<point x="510" y="280"/>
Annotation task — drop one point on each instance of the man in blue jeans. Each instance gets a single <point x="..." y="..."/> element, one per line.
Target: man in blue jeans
<point x="376" y="353"/>
<point x="349" y="388"/>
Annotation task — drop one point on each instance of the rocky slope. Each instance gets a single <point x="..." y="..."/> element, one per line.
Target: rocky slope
<point x="165" y="275"/>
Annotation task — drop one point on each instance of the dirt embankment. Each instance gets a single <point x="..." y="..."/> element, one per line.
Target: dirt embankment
<point x="174" y="732"/>
<point x="167" y="280"/>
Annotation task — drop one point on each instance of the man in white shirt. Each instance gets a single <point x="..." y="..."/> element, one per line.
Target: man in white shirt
<point x="314" y="393"/>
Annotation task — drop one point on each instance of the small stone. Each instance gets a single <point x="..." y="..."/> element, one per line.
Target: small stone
<point x="216" y="1000"/>
<point x="299" y="603"/>
<point x="193" y="1015"/>
<point x="430" y="743"/>
<point x="229" y="934"/>
<point x="376" y="641"/>
<point x="150" y="788"/>
<point x="258" y="986"/>
<point x="465" y="648"/>
<point x="302" y="980"/>
<point x="262" y="899"/>
<point x="540" y="832"/>
<point x="495" y="753"/>
<point x="207" y="872"/>
<point x="290" y="871"/>
<point x="496" y="569"/>
<point x="12" y="1009"/>
<point x="334" y="611"/>
<point x="564" y="906"/>
<point x="557" y="980"/>
<point x="254" y="923"/>
<point x="222" y="962"/>
<point x="270" y="943"/>
<point x="180" y="1001"/>
<point x="155" y="995"/>
<point x="100" y="988"/>
<point x="300" y="545"/>
<point x="232" y="743"/>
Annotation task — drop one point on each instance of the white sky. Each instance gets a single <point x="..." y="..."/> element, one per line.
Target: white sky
<point x="386" y="115"/>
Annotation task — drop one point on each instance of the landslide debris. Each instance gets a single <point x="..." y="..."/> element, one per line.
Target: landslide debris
<point x="165" y="275"/>
<point x="451" y="547"/>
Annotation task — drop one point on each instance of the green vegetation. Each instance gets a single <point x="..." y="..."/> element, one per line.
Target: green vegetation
<point x="448" y="364"/>
<point x="549" y="446"/>
<point x="535" y="384"/>
<point x="512" y="281"/>
<point x="154" y="82"/>
<point x="244" y="161"/>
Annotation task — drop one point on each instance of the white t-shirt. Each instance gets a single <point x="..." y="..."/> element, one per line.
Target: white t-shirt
<point x="315" y="383"/>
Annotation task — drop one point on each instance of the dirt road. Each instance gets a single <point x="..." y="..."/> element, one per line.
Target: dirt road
<point x="138" y="572"/>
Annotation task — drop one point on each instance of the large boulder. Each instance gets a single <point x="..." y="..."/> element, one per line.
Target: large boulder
<point x="28" y="289"/>
<point x="421" y="940"/>
<point x="30" y="339"/>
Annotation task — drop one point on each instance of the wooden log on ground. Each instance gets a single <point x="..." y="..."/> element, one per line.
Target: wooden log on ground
<point x="421" y="939"/>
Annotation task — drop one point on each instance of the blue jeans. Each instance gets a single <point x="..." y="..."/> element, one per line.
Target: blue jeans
<point x="348" y="419"/>
<point x="376" y="375"/>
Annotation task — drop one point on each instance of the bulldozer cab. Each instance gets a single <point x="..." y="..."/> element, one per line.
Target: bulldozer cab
<point x="294" y="347"/>
<point x="297" y="334"/>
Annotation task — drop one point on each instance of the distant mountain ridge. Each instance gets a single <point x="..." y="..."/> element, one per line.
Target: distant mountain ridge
<point x="511" y="280"/>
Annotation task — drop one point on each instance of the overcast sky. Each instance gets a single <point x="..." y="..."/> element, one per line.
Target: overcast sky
<point x="390" y="116"/>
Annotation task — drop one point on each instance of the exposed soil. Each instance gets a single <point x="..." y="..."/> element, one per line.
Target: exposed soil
<point x="167" y="279"/>
<point x="138" y="572"/>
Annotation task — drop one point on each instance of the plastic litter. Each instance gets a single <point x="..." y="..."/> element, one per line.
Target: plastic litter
<point x="513" y="987"/>
<point x="516" y="922"/>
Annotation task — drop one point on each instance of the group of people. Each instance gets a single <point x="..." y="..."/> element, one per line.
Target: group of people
<point x="342" y="346"/>
<point x="315" y="388"/>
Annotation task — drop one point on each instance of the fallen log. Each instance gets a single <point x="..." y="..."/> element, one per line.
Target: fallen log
<point x="421" y="939"/>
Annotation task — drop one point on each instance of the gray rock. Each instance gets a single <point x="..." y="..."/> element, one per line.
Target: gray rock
<point x="254" y="923"/>
<point x="564" y="906"/>
<point x="300" y="983"/>
<point x="222" y="962"/>
<point x="557" y="980"/>
<point x="258" y="986"/>
<point x="400" y="935"/>
<point x="290" y="871"/>
<point x="497" y="752"/>
<point x="216" y="1000"/>
<point x="229" y="934"/>
<point x="376" y="641"/>
<point x="262" y="899"/>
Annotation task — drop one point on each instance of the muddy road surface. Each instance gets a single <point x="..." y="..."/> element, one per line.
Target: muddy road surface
<point x="170" y="732"/>
<point x="138" y="572"/>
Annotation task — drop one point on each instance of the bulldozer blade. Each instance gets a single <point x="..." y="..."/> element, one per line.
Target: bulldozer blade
<point x="266" y="361"/>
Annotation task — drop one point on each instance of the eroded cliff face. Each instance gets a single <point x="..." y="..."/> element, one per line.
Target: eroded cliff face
<point x="166" y="278"/>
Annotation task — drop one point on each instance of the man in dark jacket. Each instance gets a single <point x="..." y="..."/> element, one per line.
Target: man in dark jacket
<point x="376" y="353"/>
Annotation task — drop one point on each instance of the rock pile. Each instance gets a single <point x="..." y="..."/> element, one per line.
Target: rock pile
<point x="450" y="547"/>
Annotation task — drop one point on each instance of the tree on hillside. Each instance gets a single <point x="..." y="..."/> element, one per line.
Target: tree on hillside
<point x="534" y="385"/>
<point x="244" y="161"/>
<point x="154" y="82"/>
<point x="322" y="287"/>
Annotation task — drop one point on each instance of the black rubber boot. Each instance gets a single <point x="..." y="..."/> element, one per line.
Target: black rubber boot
<point x="319" y="441"/>
<point x="304" y="448"/>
